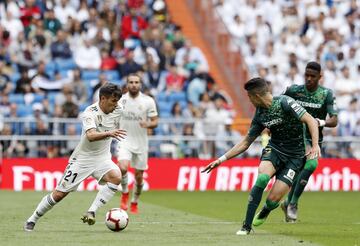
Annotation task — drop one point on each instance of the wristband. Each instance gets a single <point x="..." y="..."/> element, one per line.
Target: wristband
<point x="222" y="158"/>
<point x="321" y="122"/>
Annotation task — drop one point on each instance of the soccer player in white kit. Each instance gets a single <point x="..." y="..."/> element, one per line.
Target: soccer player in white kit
<point x="91" y="157"/>
<point x="138" y="113"/>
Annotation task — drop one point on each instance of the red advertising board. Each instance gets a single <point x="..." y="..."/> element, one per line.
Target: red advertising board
<point x="181" y="175"/>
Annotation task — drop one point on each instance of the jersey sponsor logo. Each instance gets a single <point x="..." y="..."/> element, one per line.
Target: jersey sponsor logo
<point x="296" y="107"/>
<point x="309" y="104"/>
<point x="131" y="116"/>
<point x="94" y="109"/>
<point x="273" y="122"/>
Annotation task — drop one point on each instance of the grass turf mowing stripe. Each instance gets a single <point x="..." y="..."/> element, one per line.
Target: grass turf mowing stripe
<point x="62" y="225"/>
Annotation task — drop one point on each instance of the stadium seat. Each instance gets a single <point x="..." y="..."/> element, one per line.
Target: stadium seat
<point x="24" y="110"/>
<point x="90" y="74"/>
<point x="118" y="82"/>
<point x="164" y="114"/>
<point x="83" y="106"/>
<point x="162" y="97"/>
<point x="51" y="96"/>
<point x="16" y="98"/>
<point x="64" y="73"/>
<point x="164" y="107"/>
<point x="50" y="67"/>
<point x="65" y="64"/>
<point x="183" y="104"/>
<point x="14" y="77"/>
<point x="112" y="75"/>
<point x="38" y="98"/>
<point x="177" y="96"/>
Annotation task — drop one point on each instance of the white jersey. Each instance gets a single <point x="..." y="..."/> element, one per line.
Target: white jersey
<point x="94" y="117"/>
<point x="133" y="111"/>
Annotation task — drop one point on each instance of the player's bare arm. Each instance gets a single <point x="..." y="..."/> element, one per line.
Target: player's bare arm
<point x="330" y="122"/>
<point x="314" y="132"/>
<point x="151" y="123"/>
<point x="234" y="151"/>
<point x="93" y="135"/>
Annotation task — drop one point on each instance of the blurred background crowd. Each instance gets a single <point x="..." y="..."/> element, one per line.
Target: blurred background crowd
<point x="55" y="54"/>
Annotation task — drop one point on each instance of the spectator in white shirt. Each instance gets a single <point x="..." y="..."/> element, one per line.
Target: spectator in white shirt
<point x="191" y="54"/>
<point x="87" y="56"/>
<point x="13" y="25"/>
<point x="345" y="88"/>
<point x="63" y="11"/>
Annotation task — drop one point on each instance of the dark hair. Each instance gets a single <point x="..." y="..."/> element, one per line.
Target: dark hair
<point x="314" y="66"/>
<point x="110" y="90"/>
<point x="174" y="106"/>
<point x="257" y="85"/>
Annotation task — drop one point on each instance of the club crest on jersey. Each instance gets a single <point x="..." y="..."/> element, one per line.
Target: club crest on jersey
<point x="123" y="102"/>
<point x="321" y="97"/>
<point x="140" y="107"/>
<point x="88" y="120"/>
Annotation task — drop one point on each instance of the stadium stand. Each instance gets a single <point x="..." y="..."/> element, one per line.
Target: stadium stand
<point x="55" y="56"/>
<point x="58" y="53"/>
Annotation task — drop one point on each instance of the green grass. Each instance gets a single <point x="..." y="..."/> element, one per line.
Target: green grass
<point x="182" y="218"/>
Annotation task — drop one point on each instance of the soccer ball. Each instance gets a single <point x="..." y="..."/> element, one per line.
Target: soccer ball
<point x="116" y="219"/>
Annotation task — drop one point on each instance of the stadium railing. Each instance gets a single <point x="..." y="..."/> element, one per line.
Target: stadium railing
<point x="64" y="135"/>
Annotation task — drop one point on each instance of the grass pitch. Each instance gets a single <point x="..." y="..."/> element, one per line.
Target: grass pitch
<point x="182" y="218"/>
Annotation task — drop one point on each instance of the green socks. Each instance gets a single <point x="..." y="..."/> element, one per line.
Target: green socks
<point x="300" y="185"/>
<point x="255" y="197"/>
<point x="254" y="201"/>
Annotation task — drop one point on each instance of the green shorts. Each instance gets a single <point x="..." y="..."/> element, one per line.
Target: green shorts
<point x="287" y="168"/>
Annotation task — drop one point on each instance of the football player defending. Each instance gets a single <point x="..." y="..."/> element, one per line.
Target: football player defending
<point x="282" y="157"/>
<point x="91" y="157"/>
<point x="319" y="102"/>
<point x="138" y="113"/>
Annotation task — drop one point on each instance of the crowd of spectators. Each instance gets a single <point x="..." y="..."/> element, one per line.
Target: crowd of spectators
<point x="278" y="37"/>
<point x="55" y="54"/>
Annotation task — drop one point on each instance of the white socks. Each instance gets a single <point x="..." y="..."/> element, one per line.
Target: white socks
<point x="136" y="192"/>
<point x="45" y="205"/>
<point x="124" y="183"/>
<point x="103" y="196"/>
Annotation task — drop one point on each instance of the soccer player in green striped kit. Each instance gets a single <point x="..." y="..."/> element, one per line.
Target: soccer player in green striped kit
<point x="283" y="157"/>
<point x="319" y="102"/>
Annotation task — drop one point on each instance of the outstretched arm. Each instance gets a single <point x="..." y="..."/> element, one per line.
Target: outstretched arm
<point x="314" y="132"/>
<point x="234" y="151"/>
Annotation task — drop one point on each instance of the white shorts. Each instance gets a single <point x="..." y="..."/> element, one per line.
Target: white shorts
<point x="138" y="161"/>
<point x="78" y="170"/>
